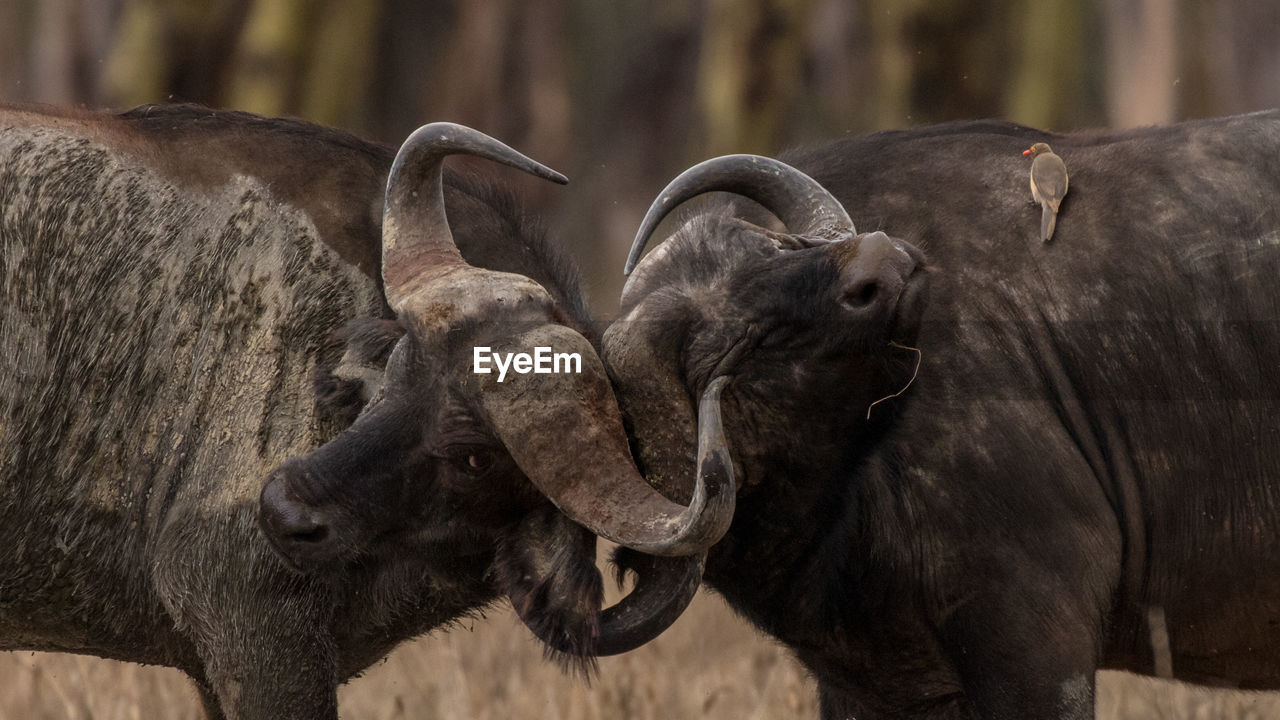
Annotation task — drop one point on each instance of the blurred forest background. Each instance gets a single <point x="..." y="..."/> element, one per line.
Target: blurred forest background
<point x="621" y="96"/>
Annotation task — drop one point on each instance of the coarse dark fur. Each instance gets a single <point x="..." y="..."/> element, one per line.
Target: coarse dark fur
<point x="176" y="282"/>
<point x="1092" y="430"/>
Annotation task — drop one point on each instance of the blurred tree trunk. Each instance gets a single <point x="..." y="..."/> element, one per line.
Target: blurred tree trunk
<point x="546" y="81"/>
<point x="1142" y="61"/>
<point x="270" y="62"/>
<point x="172" y="50"/>
<point x="892" y="61"/>
<point x="306" y="58"/>
<point x="1050" y="65"/>
<point x="50" y="50"/>
<point x="751" y="71"/>
<point x="54" y="51"/>
<point x="1240" y="60"/>
<point x="474" y="72"/>
<point x="15" y="34"/>
<point x="841" y="92"/>
<point x="339" y="64"/>
<point x="960" y="58"/>
<point x="408" y="65"/>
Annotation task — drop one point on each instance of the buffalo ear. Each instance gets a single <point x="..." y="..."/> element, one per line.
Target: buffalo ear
<point x="784" y="240"/>
<point x="353" y="362"/>
<point x="780" y="240"/>
<point x="546" y="565"/>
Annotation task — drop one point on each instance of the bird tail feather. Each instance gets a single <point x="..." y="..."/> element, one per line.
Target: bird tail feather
<point x="1048" y="219"/>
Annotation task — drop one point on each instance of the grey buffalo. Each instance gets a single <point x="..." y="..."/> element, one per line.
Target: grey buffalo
<point x="968" y="462"/>
<point x="192" y="298"/>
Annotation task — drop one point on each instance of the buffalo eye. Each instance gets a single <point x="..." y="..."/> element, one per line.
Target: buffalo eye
<point x="473" y="460"/>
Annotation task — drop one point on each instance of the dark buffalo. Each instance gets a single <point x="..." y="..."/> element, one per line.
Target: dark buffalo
<point x="191" y="298"/>
<point x="965" y="481"/>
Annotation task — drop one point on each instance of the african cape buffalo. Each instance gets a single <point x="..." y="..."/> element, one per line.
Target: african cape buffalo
<point x="193" y="297"/>
<point x="964" y="480"/>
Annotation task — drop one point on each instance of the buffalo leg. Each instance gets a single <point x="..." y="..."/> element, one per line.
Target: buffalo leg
<point x="279" y="667"/>
<point x="1016" y="662"/>
<point x="274" y="688"/>
<point x="261" y="632"/>
<point x="837" y="704"/>
<point x="209" y="701"/>
<point x="832" y="705"/>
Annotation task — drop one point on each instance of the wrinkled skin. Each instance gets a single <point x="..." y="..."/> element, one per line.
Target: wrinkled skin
<point x="1090" y="433"/>
<point x="176" y="286"/>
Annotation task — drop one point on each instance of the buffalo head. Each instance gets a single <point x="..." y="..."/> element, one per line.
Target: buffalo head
<point x="813" y="321"/>
<point x="521" y="467"/>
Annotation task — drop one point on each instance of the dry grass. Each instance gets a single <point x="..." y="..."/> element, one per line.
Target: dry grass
<point x="709" y="665"/>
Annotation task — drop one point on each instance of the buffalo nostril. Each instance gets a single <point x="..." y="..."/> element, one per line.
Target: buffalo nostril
<point x="316" y="534"/>
<point x="862" y="293"/>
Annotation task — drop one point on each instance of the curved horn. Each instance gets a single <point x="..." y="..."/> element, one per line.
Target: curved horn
<point x="416" y="242"/>
<point x="664" y="588"/>
<point x="597" y="485"/>
<point x="803" y="206"/>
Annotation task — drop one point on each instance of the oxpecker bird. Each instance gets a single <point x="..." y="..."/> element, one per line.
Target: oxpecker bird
<point x="1048" y="185"/>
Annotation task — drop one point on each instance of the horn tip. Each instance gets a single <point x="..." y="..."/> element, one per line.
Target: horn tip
<point x="633" y="256"/>
<point x="638" y="245"/>
<point x="547" y="173"/>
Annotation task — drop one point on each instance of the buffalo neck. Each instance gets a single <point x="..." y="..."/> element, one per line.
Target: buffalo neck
<point x="814" y="508"/>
